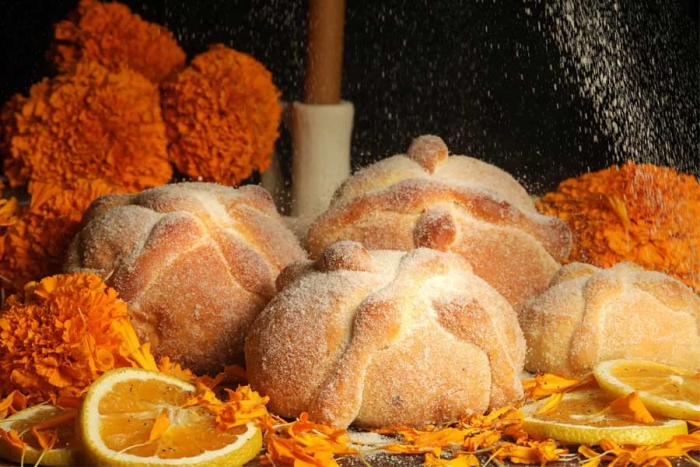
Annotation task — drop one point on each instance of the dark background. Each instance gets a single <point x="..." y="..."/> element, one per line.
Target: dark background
<point x="484" y="75"/>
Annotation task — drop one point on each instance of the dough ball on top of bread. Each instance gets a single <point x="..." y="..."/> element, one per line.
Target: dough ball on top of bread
<point x="426" y="198"/>
<point x="591" y="314"/>
<point x="380" y="337"/>
<point x="195" y="262"/>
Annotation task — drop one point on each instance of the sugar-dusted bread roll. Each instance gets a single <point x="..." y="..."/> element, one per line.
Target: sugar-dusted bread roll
<point x="426" y="199"/>
<point x="379" y="338"/>
<point x="591" y="314"/>
<point x="196" y="262"/>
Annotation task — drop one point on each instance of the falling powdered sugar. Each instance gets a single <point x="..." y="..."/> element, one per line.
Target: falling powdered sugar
<point x="636" y="64"/>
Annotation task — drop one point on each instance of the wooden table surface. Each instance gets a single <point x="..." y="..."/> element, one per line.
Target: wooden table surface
<point x="384" y="460"/>
<point x="379" y="460"/>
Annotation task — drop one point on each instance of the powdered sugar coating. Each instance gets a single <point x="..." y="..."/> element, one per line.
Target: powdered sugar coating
<point x="195" y="262"/>
<point x="455" y="203"/>
<point x="408" y="338"/>
<point x="591" y="314"/>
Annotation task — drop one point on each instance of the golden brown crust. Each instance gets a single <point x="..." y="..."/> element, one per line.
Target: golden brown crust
<point x="591" y="314"/>
<point x="428" y="152"/>
<point x="435" y="228"/>
<point x="370" y="337"/>
<point x="469" y="321"/>
<point x="451" y="204"/>
<point x="196" y="262"/>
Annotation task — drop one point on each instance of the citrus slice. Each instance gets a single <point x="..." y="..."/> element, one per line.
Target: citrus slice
<point x="665" y="390"/>
<point x="66" y="447"/>
<point x="135" y="417"/>
<point x="583" y="417"/>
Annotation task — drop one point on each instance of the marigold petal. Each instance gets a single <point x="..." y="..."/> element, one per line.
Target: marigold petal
<point x="632" y="405"/>
<point x="460" y="460"/>
<point x="161" y="424"/>
<point x="46" y="439"/>
<point x="551" y="403"/>
<point x="12" y="438"/>
<point x="547" y="384"/>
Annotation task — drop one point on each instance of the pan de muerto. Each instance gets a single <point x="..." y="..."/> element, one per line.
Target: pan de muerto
<point x="456" y="203"/>
<point x="591" y="314"/>
<point x="379" y="338"/>
<point x="196" y="262"/>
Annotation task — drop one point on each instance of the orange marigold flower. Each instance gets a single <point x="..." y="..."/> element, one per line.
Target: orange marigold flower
<point x="60" y="334"/>
<point x="109" y="33"/>
<point x="90" y="123"/>
<point x="35" y="237"/>
<point x="222" y="115"/>
<point x="8" y="122"/>
<point x="635" y="212"/>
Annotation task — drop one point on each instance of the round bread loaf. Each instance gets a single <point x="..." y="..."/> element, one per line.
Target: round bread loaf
<point x="457" y="203"/>
<point x="380" y="338"/>
<point x="196" y="262"/>
<point x="590" y="314"/>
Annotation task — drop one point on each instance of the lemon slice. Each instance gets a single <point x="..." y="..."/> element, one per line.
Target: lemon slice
<point x="665" y="390"/>
<point x="66" y="448"/>
<point x="135" y="417"/>
<point x="582" y="418"/>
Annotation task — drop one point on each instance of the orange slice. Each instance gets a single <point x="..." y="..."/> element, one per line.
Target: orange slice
<point x="135" y="417"/>
<point x="65" y="450"/>
<point x="583" y="417"/>
<point x="665" y="390"/>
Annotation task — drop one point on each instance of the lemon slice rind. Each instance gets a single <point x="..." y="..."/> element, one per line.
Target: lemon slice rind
<point x="55" y="457"/>
<point x="580" y="433"/>
<point x="241" y="451"/>
<point x="658" y="405"/>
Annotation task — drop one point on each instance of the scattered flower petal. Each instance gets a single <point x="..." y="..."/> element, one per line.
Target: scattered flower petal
<point x="632" y="405"/>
